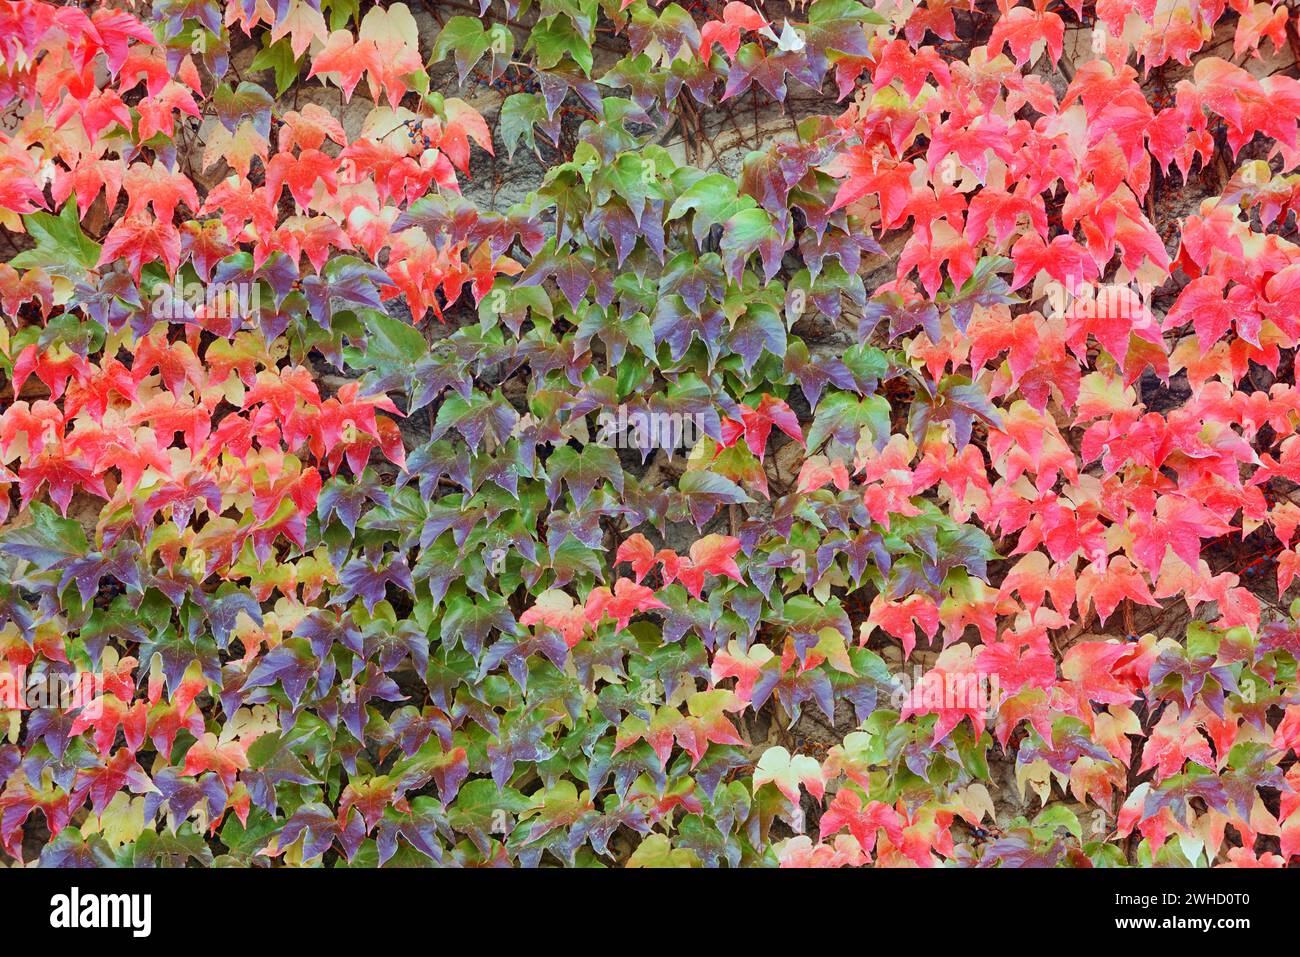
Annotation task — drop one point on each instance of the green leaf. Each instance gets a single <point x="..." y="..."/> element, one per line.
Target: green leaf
<point x="278" y="57"/>
<point x="714" y="200"/>
<point x="391" y="344"/>
<point x="466" y="39"/>
<point x="519" y="114"/>
<point x="47" y="541"/>
<point x="1058" y="815"/>
<point x="842" y="416"/>
<point x="657" y="851"/>
<point x="553" y="37"/>
<point x="61" y="246"/>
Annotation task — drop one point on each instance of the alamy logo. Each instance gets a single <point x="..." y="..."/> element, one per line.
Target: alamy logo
<point x="946" y="690"/>
<point x="1103" y="300"/>
<point x="218" y="300"/>
<point x="20" y="691"/>
<point x="642" y="429"/>
<point x="75" y="910"/>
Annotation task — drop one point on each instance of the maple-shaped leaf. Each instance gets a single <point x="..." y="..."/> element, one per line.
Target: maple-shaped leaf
<point x="86" y="179"/>
<point x="369" y="578"/>
<point x="657" y="851"/>
<point x="582" y="471"/>
<point x="956" y="688"/>
<point x="903" y="316"/>
<point x="105" y="714"/>
<point x="462" y="124"/>
<point x="715" y="555"/>
<point x="958" y="401"/>
<point x="309" y="127"/>
<point x="863" y="821"/>
<point x="900" y="618"/>
<point x="1027" y="31"/>
<point x="63" y="472"/>
<point x="556" y="609"/>
<point x="205" y="244"/>
<point x="707" y="723"/>
<point x="749" y="231"/>
<point x="818" y="471"/>
<point x="627" y="599"/>
<point x="1034" y="577"/>
<point x="344" y="60"/>
<point x="246" y="101"/>
<point x="159" y="187"/>
<point x="385" y="49"/>
<point x="88" y="570"/>
<point x="466" y="38"/>
<point x="1212" y="313"/>
<point x="789" y="772"/>
<point x="898" y="59"/>
<point x="1180" y="523"/>
<point x="104" y="778"/>
<point x="316" y="825"/>
<point x="302" y="23"/>
<point x="47" y="541"/>
<point x="842" y="418"/>
<point x="98" y="111"/>
<point x="142" y="239"/>
<point x="867" y="172"/>
<point x="272" y="762"/>
<point x="637" y="551"/>
<point x="815" y="373"/>
<point x="705" y="492"/>
<point x="292" y="664"/>
<point x="470" y="621"/>
<point x="756" y="424"/>
<point x="62" y="247"/>
<point x="21" y="797"/>
<point x="1091" y="665"/>
<point x="746" y="666"/>
<point x="736" y="17"/>
<point x="227" y="759"/>
<point x="475" y="418"/>
<point x="1175" y="740"/>
<point x="1107" y="583"/>
<point x="301" y="173"/>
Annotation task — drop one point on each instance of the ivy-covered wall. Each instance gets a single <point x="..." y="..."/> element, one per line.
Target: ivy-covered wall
<point x="645" y="434"/>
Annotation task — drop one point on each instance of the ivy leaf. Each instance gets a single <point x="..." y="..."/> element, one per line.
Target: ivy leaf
<point x="582" y="471"/>
<point x="657" y="851"/>
<point x="475" y="418"/>
<point x="369" y="578"/>
<point x="759" y="328"/>
<point x="292" y="664"/>
<point x="842" y="417"/>
<point x="61" y="246"/>
<point x="281" y="57"/>
<point x="553" y="38"/>
<point x="903" y="317"/>
<point x="468" y="622"/>
<point x="704" y="492"/>
<point x="957" y="400"/>
<point x="48" y="541"/>
<point x="747" y="232"/>
<point x="466" y="38"/>
<point x="712" y="198"/>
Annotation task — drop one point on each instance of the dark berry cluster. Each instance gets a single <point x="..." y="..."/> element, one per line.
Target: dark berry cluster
<point x="510" y="80"/>
<point x="415" y="133"/>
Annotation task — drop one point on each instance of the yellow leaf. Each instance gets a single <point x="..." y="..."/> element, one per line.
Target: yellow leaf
<point x="303" y="24"/>
<point x="237" y="148"/>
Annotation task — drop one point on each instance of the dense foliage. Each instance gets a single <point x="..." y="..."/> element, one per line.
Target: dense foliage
<point x="918" y="488"/>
